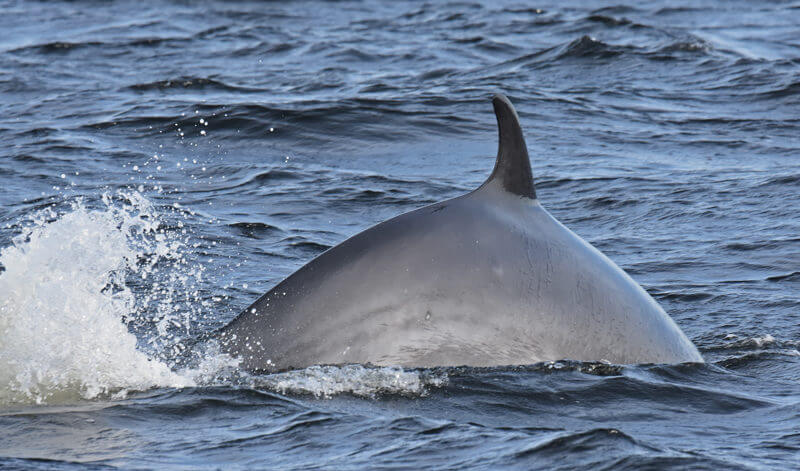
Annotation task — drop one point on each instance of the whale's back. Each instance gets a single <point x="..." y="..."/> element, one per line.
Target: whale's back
<point x="484" y="279"/>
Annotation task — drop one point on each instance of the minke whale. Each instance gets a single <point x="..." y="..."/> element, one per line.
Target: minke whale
<point x="489" y="278"/>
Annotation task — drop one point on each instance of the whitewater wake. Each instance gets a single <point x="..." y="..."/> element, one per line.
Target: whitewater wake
<point x="65" y="303"/>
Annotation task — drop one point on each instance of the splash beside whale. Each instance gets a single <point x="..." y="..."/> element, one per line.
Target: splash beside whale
<point x="485" y="279"/>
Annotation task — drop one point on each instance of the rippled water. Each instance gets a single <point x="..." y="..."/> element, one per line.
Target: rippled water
<point x="165" y="165"/>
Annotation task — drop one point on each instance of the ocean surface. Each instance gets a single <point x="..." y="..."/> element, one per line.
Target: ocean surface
<point x="163" y="165"/>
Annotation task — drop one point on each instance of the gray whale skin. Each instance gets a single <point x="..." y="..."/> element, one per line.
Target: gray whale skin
<point x="485" y="279"/>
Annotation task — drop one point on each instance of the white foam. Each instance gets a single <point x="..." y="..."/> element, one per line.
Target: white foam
<point x="212" y="366"/>
<point x="757" y="342"/>
<point x="64" y="304"/>
<point x="763" y="340"/>
<point x="327" y="381"/>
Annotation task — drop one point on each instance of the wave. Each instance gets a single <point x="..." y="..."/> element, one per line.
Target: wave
<point x="255" y="230"/>
<point x="765" y="341"/>
<point x="566" y="442"/>
<point x="609" y="20"/>
<point x="310" y="120"/>
<point x="793" y="276"/>
<point x="192" y="83"/>
<point x="66" y="46"/>
<point x="791" y="89"/>
<point x="57" y="46"/>
<point x="305" y="245"/>
<point x="587" y="46"/>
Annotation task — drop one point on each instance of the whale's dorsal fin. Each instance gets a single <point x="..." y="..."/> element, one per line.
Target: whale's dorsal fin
<point x="512" y="170"/>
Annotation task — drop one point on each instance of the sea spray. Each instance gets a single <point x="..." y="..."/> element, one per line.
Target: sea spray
<point x="66" y="307"/>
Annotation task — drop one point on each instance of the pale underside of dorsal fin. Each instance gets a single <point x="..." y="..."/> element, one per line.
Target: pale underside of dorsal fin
<point x="512" y="170"/>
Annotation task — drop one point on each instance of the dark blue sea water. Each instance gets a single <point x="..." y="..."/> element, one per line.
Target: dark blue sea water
<point x="163" y="164"/>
